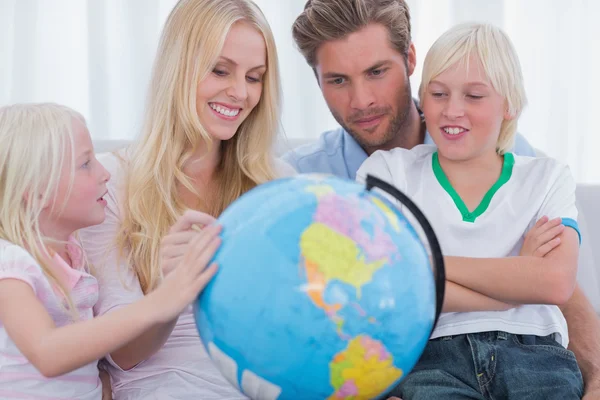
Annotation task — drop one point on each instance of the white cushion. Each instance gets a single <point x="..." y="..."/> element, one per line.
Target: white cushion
<point x="588" y="274"/>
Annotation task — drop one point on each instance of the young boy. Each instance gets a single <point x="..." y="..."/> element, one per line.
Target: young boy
<point x="501" y="334"/>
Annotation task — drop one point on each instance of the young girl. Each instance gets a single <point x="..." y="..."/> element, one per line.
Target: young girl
<point x="501" y="334"/>
<point x="51" y="185"/>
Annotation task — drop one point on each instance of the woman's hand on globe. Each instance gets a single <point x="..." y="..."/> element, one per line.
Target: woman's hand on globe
<point x="183" y="284"/>
<point x="176" y="242"/>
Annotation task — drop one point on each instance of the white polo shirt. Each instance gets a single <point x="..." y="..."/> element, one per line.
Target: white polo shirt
<point x="527" y="189"/>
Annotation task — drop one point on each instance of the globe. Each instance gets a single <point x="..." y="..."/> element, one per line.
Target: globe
<point x="324" y="291"/>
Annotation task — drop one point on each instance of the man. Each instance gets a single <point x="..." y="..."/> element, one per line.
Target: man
<point x="362" y="56"/>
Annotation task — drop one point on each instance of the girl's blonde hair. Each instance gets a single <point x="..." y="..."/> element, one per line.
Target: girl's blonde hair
<point x="36" y="140"/>
<point x="191" y="43"/>
<point x="500" y="63"/>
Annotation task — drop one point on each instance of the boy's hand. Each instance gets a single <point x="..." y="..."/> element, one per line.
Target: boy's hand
<point x="542" y="238"/>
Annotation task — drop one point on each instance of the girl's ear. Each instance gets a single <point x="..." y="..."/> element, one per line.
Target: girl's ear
<point x="27" y="199"/>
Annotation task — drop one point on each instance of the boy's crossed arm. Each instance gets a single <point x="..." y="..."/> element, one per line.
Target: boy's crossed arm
<point x="539" y="241"/>
<point x="528" y="278"/>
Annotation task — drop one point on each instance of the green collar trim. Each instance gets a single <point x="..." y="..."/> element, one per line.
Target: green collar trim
<point x="507" y="167"/>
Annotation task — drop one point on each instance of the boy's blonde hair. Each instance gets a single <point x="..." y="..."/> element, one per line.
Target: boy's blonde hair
<point x="191" y="43"/>
<point x="36" y="140"/>
<point x="500" y="63"/>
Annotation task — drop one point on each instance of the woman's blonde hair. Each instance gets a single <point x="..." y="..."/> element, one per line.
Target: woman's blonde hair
<point x="500" y="63"/>
<point x="37" y="139"/>
<point x="191" y="43"/>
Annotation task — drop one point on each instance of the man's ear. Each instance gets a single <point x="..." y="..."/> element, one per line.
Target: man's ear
<point x="411" y="59"/>
<point x="316" y="76"/>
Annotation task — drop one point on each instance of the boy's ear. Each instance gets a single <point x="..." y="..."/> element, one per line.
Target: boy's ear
<point x="508" y="115"/>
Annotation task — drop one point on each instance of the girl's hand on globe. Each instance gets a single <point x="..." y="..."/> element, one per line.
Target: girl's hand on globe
<point x="181" y="287"/>
<point x="542" y="238"/>
<point x="174" y="245"/>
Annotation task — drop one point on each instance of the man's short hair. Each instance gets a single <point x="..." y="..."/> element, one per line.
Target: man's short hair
<point x="325" y="20"/>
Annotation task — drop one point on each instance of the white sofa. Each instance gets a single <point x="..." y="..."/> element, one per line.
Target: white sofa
<point x="589" y="221"/>
<point x="588" y="274"/>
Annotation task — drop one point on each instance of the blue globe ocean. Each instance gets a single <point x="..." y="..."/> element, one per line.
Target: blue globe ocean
<point x="324" y="291"/>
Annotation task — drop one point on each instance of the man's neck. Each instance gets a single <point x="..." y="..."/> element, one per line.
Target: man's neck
<point x="414" y="133"/>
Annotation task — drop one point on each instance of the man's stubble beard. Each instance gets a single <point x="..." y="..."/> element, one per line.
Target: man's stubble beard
<point x="397" y="130"/>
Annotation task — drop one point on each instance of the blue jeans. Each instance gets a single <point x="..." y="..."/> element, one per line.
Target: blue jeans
<point x="493" y="366"/>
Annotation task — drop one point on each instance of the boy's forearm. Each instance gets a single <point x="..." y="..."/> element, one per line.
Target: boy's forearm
<point x="521" y="280"/>
<point x="518" y="280"/>
<point x="461" y="299"/>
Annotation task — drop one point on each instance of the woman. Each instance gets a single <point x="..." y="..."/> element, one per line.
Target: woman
<point x="210" y="123"/>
